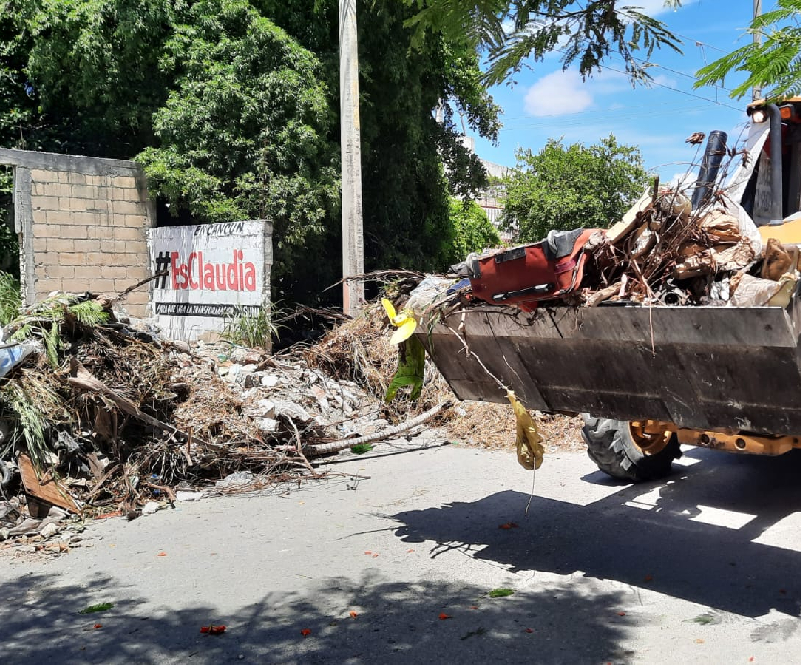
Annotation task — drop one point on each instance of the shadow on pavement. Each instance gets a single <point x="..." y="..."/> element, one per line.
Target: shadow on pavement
<point x="663" y="545"/>
<point x="397" y="623"/>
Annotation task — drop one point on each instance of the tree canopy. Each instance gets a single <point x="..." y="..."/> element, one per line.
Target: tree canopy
<point x="513" y="31"/>
<point x="565" y="187"/>
<point x="232" y="107"/>
<point x="774" y="65"/>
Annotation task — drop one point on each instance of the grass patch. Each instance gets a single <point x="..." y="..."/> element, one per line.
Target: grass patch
<point x="501" y="593"/>
<point x="103" y="606"/>
<point x="361" y="449"/>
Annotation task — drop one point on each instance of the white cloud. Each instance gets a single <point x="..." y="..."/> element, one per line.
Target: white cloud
<point x="558" y="93"/>
<point x="664" y="80"/>
<point x="565" y="92"/>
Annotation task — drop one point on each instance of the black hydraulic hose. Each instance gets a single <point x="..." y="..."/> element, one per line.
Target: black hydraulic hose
<point x="776" y="190"/>
<point x="710" y="167"/>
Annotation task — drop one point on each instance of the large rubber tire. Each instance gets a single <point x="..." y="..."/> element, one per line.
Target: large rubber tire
<point x="610" y="445"/>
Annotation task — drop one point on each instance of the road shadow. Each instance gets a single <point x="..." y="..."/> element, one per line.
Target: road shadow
<point x="395" y="623"/>
<point x="662" y="544"/>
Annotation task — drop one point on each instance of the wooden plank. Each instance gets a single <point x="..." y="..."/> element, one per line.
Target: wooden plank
<point x="47" y="489"/>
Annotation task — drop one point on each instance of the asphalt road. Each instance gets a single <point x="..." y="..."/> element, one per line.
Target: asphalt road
<point x="701" y="569"/>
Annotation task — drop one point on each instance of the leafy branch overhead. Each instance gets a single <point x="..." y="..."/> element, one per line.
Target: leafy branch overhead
<point x="513" y="31"/>
<point x="775" y="64"/>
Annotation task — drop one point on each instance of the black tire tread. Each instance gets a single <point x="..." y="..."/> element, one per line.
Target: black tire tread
<point x="610" y="446"/>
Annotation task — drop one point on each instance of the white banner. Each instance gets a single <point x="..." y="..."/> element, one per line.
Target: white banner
<point x="212" y="275"/>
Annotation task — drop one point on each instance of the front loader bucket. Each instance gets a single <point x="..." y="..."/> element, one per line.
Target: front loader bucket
<point x="712" y="368"/>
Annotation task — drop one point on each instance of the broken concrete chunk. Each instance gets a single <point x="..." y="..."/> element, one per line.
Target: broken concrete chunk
<point x="269" y="381"/>
<point x="188" y="496"/>
<point x="267" y="425"/>
<point x="292" y="410"/>
<point x="239" y="478"/>
<point x="27" y="527"/>
<point x="49" y="530"/>
<point x="151" y="507"/>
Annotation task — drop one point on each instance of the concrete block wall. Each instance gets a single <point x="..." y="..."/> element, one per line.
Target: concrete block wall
<point x="82" y="223"/>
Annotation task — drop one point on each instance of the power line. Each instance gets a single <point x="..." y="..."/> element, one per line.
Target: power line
<point x="683" y="92"/>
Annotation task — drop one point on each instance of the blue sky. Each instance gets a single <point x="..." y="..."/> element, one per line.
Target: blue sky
<point x="548" y="103"/>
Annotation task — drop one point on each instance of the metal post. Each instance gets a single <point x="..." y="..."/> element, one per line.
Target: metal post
<point x="757" y="92"/>
<point x="352" y="231"/>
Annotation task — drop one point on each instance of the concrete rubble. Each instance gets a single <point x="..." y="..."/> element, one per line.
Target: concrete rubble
<point x="132" y="424"/>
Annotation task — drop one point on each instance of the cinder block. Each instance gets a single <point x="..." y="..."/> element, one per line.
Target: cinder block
<point x="128" y="207"/>
<point x="99" y="233"/>
<point x="74" y="232"/>
<point x="39" y="245"/>
<point x="139" y="297"/>
<point x="129" y="234"/>
<point x="101" y="285"/>
<point x="57" y="271"/>
<point x="84" y="191"/>
<point x="124" y="194"/>
<point x="73" y="259"/>
<point x="87" y="271"/>
<point x="45" y="231"/>
<point x="44" y="202"/>
<point x="108" y="246"/>
<point x="98" y="259"/>
<point x="62" y="245"/>
<point x="85" y="245"/>
<point x="118" y="272"/>
<point x="137" y="272"/>
<point x="140" y="221"/>
<point x="85" y="218"/>
<point x="124" y="182"/>
<point x="59" y="217"/>
<point x="74" y="204"/>
<point x="46" y="285"/>
<point x="44" y="176"/>
<point x="76" y="178"/>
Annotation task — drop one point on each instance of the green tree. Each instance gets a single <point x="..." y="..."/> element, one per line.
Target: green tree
<point x="471" y="231"/>
<point x="575" y="186"/>
<point x="775" y="64"/>
<point x="244" y="131"/>
<point x="512" y="31"/>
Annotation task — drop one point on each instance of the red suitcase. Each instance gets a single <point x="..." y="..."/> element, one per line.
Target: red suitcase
<point x="525" y="275"/>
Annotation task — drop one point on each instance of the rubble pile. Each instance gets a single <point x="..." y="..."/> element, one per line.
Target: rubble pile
<point x="100" y="417"/>
<point x="664" y="253"/>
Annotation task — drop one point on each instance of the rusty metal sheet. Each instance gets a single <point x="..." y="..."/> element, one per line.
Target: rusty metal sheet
<point x="46" y="489"/>
<point x="700" y="367"/>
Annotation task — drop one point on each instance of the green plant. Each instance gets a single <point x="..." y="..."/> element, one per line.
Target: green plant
<point x="500" y="593"/>
<point x="103" y="606"/>
<point x="250" y="331"/>
<point x="361" y="449"/>
<point x="773" y="63"/>
<point x="471" y="229"/>
<point x="10" y="298"/>
<point x="565" y="187"/>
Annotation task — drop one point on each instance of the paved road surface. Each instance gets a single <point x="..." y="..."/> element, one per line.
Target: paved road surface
<point x="701" y="569"/>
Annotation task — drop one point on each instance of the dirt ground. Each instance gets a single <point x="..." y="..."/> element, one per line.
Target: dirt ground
<point x="492" y="426"/>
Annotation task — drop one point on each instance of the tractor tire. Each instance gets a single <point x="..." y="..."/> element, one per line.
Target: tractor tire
<point x="612" y="447"/>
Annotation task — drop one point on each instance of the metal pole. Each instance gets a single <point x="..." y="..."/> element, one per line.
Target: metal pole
<point x="352" y="230"/>
<point x="757" y="92"/>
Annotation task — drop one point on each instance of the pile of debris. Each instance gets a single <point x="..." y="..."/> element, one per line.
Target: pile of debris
<point x="664" y="253"/>
<point x="101" y="417"/>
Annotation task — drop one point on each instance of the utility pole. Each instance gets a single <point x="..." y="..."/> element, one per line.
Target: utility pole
<point x="757" y="93"/>
<point x="352" y="229"/>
